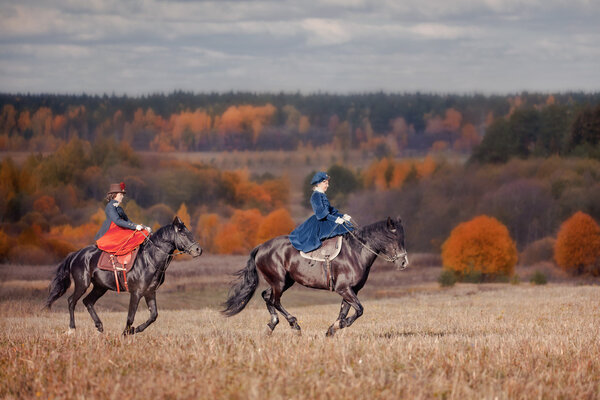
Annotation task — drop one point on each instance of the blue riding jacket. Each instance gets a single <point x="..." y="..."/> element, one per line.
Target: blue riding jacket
<point x="309" y="235"/>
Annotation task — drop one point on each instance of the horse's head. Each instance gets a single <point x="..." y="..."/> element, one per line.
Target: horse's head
<point x="398" y="251"/>
<point x="184" y="240"/>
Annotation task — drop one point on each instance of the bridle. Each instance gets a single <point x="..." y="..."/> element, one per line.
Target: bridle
<point x="387" y="258"/>
<point x="178" y="252"/>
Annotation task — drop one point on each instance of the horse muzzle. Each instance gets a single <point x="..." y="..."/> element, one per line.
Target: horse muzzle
<point x="401" y="261"/>
<point x="195" y="250"/>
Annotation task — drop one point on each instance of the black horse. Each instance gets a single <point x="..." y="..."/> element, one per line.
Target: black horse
<point x="145" y="276"/>
<point x="281" y="266"/>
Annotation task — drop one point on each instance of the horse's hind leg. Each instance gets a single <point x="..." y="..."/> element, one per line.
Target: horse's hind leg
<point x="89" y="302"/>
<point x="79" y="290"/>
<point x="276" y="302"/>
<point x="266" y="295"/>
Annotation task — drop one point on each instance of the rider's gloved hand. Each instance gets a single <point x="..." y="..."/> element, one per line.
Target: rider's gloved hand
<point x="139" y="227"/>
<point x="346" y="217"/>
<point x="339" y="220"/>
<point x="148" y="229"/>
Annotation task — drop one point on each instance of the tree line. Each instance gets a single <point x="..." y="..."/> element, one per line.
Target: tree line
<point x="382" y="124"/>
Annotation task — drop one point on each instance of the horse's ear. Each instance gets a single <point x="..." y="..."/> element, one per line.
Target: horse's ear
<point x="399" y="220"/>
<point x="177" y="223"/>
<point x="391" y="225"/>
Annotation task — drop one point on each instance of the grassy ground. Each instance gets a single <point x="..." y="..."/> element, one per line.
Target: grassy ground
<point x="415" y="340"/>
<point x="510" y="342"/>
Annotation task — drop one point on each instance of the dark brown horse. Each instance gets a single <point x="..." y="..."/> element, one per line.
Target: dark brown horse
<point x="145" y="276"/>
<point x="281" y="266"/>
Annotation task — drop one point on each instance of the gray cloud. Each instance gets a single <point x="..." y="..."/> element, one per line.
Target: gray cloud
<point x="136" y="47"/>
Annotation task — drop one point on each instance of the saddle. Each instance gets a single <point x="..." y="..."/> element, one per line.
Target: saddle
<point x="329" y="250"/>
<point x="116" y="264"/>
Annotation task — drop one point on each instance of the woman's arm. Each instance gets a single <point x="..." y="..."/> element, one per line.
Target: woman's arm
<point x="113" y="215"/>
<point x="322" y="208"/>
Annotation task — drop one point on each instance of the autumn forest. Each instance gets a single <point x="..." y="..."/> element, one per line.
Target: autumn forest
<point x="530" y="161"/>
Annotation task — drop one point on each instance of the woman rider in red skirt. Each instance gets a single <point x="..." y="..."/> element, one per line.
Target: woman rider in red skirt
<point x="118" y="234"/>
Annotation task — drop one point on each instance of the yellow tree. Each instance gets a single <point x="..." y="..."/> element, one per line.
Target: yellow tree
<point x="483" y="245"/>
<point x="577" y="246"/>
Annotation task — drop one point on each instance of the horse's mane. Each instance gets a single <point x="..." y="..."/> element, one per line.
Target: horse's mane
<point x="161" y="234"/>
<point x="376" y="233"/>
<point x="162" y="231"/>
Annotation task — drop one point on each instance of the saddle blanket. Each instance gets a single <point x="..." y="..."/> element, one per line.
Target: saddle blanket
<point x="329" y="249"/>
<point x="121" y="263"/>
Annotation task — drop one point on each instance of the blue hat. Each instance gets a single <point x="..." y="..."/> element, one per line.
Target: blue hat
<point x="319" y="177"/>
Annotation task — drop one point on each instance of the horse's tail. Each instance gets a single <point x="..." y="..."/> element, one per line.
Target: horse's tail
<point x="241" y="292"/>
<point x="61" y="281"/>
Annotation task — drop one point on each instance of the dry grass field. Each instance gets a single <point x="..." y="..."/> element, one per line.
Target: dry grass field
<point x="415" y="340"/>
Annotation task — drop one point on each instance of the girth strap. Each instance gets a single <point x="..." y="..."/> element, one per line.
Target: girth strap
<point x="329" y="276"/>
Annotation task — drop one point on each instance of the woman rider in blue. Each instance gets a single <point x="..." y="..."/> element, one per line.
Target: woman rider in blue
<point x="327" y="221"/>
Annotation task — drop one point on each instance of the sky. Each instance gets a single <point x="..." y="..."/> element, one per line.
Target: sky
<point x="138" y="47"/>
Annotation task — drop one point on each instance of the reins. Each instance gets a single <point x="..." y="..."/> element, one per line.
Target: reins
<point x="381" y="254"/>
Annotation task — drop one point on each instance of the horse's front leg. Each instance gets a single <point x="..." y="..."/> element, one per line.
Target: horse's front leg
<point x="151" y="302"/>
<point x="342" y="322"/>
<point x="134" y="301"/>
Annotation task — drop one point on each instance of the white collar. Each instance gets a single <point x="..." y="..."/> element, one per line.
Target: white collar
<point x="316" y="189"/>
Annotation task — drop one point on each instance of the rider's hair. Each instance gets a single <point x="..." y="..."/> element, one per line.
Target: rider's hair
<point x="110" y="197"/>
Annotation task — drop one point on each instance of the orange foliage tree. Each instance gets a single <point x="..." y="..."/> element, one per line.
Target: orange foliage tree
<point x="245" y="193"/>
<point x="244" y="230"/>
<point x="245" y="118"/>
<point x="247" y="223"/>
<point x="229" y="240"/>
<point x="206" y="230"/>
<point x="184" y="216"/>
<point x="483" y="245"/>
<point x="278" y="222"/>
<point x="577" y="246"/>
<point x="238" y="235"/>
<point x="79" y="236"/>
<point x="391" y="174"/>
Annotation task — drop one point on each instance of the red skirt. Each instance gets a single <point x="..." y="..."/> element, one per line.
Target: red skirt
<point x="120" y="241"/>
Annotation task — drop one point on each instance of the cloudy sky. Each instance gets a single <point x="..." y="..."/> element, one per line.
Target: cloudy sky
<point x="341" y="46"/>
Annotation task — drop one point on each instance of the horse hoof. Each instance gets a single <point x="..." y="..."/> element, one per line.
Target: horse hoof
<point x="128" y="331"/>
<point x="268" y="331"/>
<point x="70" y="331"/>
<point x="333" y="328"/>
<point x="297" y="332"/>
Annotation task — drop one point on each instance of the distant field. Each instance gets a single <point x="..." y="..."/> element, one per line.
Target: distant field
<point x="415" y="340"/>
